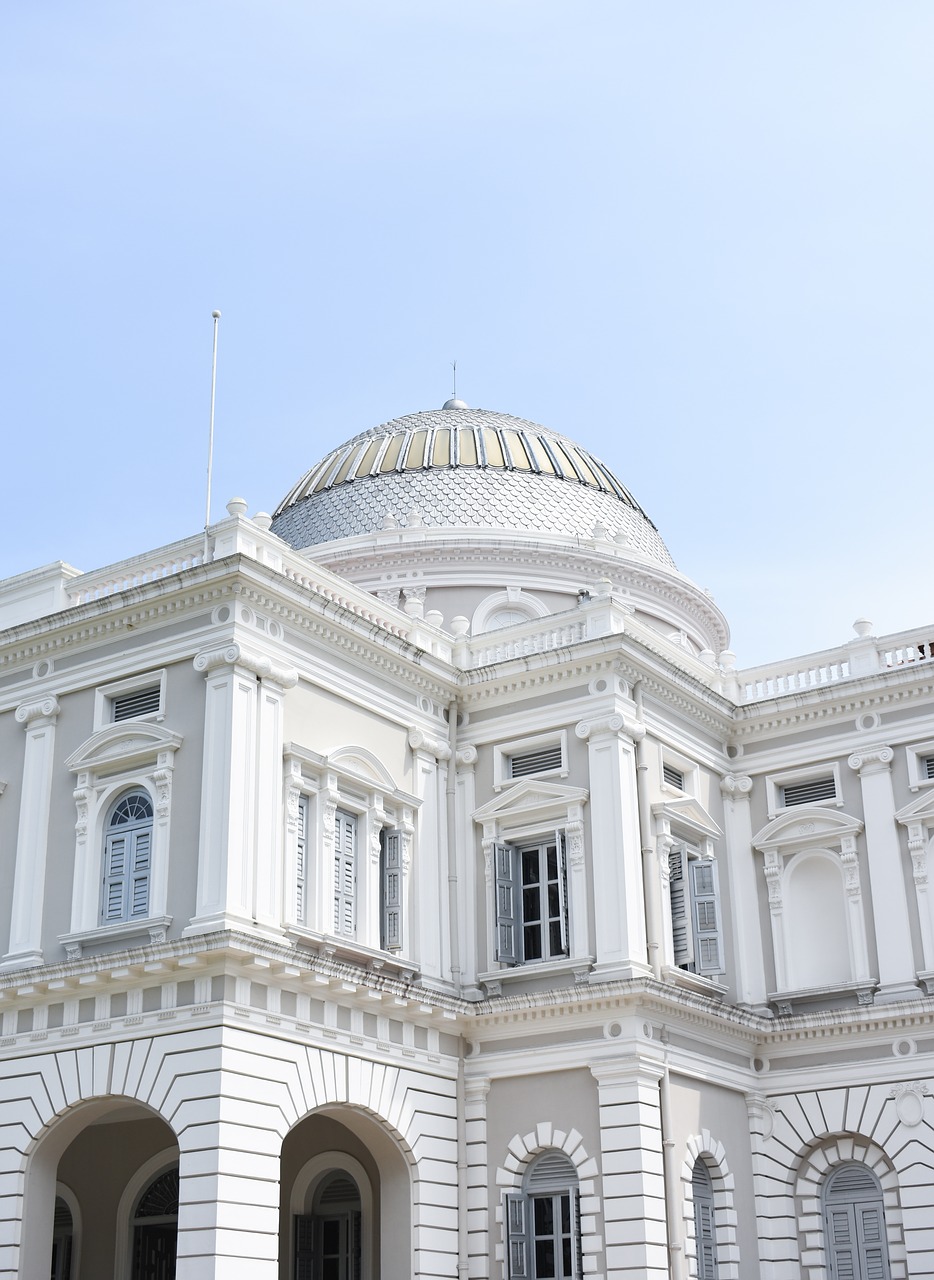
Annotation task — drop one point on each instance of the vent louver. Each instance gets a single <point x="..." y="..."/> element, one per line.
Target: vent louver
<point x="535" y="761"/>
<point x="809" y="792"/>
<point x="140" y="702"/>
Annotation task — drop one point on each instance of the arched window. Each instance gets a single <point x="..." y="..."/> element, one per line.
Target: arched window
<point x="543" y="1222"/>
<point x="705" y="1231"/>
<point x="127" y="859"/>
<point x="854" y="1224"/>
<point x="155" y="1229"/>
<point x="327" y="1240"/>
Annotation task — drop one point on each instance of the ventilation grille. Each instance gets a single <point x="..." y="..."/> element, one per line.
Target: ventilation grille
<point x="551" y="1171"/>
<point x="852" y="1179"/>
<point x="809" y="792"/>
<point x="141" y="702"/>
<point x="535" y="761"/>
<point x="339" y="1191"/>
<point x="927" y="766"/>
<point x="674" y="777"/>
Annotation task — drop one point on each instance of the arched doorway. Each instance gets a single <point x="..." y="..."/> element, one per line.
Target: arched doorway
<point x="155" y="1229"/>
<point x="328" y="1241"/>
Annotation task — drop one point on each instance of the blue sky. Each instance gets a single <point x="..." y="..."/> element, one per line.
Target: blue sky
<point x="697" y="237"/>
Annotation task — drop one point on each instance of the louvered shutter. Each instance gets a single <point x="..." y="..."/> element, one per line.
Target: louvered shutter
<point x="507" y="898"/>
<point x="301" y="859"/>
<point x="705" y="905"/>
<point x="681" y="932"/>
<point x="391" y="890"/>
<point x="140" y="867"/>
<point x="345" y="874"/>
<point x="115" y="864"/>
<point x="870" y="1238"/>
<point x="704" y="1229"/>
<point x="304" y="1247"/>
<point x="841" y="1230"/>
<point x="517" y="1248"/>
<point x="563" y="889"/>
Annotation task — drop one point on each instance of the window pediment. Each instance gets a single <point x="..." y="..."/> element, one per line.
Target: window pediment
<point x="805" y="826"/>
<point x="920" y="811"/>
<point x="358" y="763"/>
<point x="125" y="744"/>
<point x="532" y="800"/>
<point x="689" y="816"/>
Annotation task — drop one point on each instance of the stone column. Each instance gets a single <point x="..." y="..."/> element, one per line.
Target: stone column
<point x="619" y="908"/>
<point x="469" y="883"/>
<point x="897" y="972"/>
<point x="632" y="1160"/>
<point x="38" y="719"/>
<point x="432" y="759"/>
<point x="241" y="789"/>
<point x="744" y="901"/>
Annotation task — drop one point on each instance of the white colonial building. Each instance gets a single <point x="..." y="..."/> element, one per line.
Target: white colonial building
<point x="410" y="885"/>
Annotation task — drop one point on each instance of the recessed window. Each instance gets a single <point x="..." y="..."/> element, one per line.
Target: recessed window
<point x="127" y="859"/>
<point x="695" y="912"/>
<point x="674" y="777"/>
<point x="927" y="767"/>
<point x="542" y="756"/>
<point x="543" y="1221"/>
<point x="139" y="697"/>
<point x="531" y="902"/>
<point x="810" y="791"/>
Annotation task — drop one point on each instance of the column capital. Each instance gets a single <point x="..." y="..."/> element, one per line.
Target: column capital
<point x="877" y="759"/>
<point x="632" y="1071"/>
<point x="45" y="708"/>
<point x="736" y="786"/>
<point x="609" y="726"/>
<point x="428" y="745"/>
<point x="235" y="655"/>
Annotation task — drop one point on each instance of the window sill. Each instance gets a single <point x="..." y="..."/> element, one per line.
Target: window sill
<point x="785" y="1001"/>
<point x="695" y="982"/>
<point x="578" y="966"/>
<point x="155" y="926"/>
<point x="354" y="952"/>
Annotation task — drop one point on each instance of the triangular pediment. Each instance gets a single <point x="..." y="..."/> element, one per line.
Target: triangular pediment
<point x="123" y="743"/>
<point x="805" y="825"/>
<point x="920" y="810"/>
<point x="688" y="812"/>
<point x="530" y="796"/>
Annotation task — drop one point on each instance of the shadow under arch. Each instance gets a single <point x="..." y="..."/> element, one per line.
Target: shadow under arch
<point x="349" y="1139"/>
<point x="110" y="1136"/>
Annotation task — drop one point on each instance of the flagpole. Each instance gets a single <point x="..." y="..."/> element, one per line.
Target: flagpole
<point x="207" y="508"/>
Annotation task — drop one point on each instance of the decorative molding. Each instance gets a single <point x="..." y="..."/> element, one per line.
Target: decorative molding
<point x="236" y="655"/>
<point x="44" y="708"/>
<point x="871" y="760"/>
<point x="467" y="756"/>
<point x="909" y="1101"/>
<point x="607" y="726"/>
<point x="736" y="786"/>
<point x="427" y="744"/>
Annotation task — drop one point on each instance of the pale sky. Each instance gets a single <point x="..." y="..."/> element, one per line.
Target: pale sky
<point x="696" y="237"/>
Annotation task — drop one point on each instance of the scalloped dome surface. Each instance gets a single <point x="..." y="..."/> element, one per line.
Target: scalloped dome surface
<point x="460" y="467"/>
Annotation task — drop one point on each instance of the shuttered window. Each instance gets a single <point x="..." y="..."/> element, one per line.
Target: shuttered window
<point x="854" y="1224"/>
<point x="705" y="1235"/>
<point x="345" y="874"/>
<point x="697" y="937"/>
<point x="391" y="890"/>
<point x="543" y="1238"/>
<point x="531" y="902"/>
<point x="301" y="860"/>
<point x="541" y="760"/>
<point x="809" y="792"/>
<point x="138" y="702"/>
<point x="127" y="859"/>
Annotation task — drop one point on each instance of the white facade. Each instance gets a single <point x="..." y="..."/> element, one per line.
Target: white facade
<point x="415" y="887"/>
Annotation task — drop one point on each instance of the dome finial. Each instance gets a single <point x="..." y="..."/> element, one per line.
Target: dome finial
<point x="454" y="403"/>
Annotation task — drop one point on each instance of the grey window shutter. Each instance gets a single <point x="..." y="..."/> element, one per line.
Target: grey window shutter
<point x="563" y="889"/>
<point x="391" y="890"/>
<point x="517" y="1248"/>
<point x="507" y="898"/>
<point x="705" y="902"/>
<point x="140" y="866"/>
<point x="704" y="1229"/>
<point x="681" y="932"/>
<point x="115" y="863"/>
<point x="870" y="1235"/>
<point x="304" y="1246"/>
<point x="301" y="859"/>
<point x="345" y="874"/>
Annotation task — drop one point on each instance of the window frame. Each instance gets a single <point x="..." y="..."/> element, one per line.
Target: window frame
<point x="504" y="752"/>
<point x="776" y="783"/>
<point x="105" y="694"/>
<point x="512" y="925"/>
<point x="685" y="829"/>
<point x="915" y="757"/>
<point x="137" y="835"/>
<point x="519" y="1224"/>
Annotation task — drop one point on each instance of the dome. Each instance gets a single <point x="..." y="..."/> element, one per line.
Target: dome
<point x="458" y="467"/>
